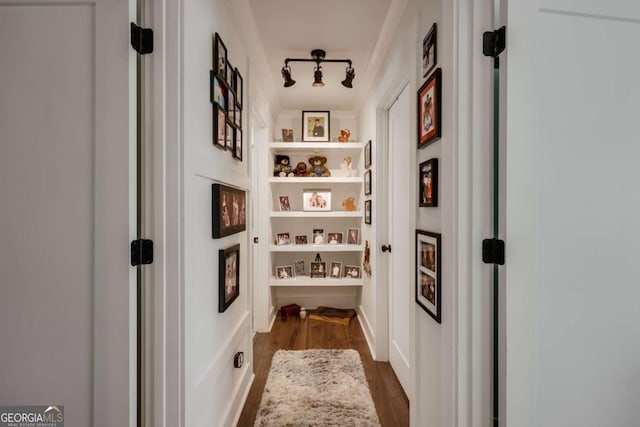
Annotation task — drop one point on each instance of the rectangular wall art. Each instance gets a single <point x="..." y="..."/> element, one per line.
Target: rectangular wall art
<point x="229" y="210"/>
<point x="229" y="280"/>
<point x="428" y="278"/>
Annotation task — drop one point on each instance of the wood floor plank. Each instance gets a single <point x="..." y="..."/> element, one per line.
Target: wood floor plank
<point x="296" y="334"/>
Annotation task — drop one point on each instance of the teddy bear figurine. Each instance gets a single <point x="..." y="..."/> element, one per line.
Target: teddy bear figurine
<point x="344" y="135"/>
<point x="301" y="169"/>
<point x="317" y="166"/>
<point x="282" y="167"/>
<point x="349" y="204"/>
<point x="345" y="168"/>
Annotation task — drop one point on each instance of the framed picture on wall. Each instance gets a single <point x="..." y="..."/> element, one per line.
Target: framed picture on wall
<point x="428" y="183"/>
<point x="429" y="51"/>
<point x="229" y="276"/>
<point x="231" y="73"/>
<point x="367" y="182"/>
<point x="229" y="210"/>
<point x="238" y="87"/>
<point x="429" y="109"/>
<point x="218" y="90"/>
<point x="230" y="136"/>
<point x="367" y="212"/>
<point x="231" y="110"/>
<point x="315" y="126"/>
<point x="219" y="58"/>
<point x="367" y="155"/>
<point x="428" y="278"/>
<point x="237" y="144"/>
<point x="219" y="126"/>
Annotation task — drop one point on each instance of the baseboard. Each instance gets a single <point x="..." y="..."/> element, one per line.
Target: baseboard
<point x="366" y="329"/>
<point x="272" y="315"/>
<point x="245" y="394"/>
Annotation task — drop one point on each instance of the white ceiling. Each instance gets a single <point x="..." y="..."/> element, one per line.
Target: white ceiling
<point x="345" y="29"/>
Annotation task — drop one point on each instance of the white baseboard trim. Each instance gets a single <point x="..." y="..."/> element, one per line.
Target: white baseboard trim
<point x="366" y="329"/>
<point x="272" y="315"/>
<point x="245" y="394"/>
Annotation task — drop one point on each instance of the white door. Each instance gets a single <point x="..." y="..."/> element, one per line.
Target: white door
<point x="572" y="213"/>
<point x="66" y="208"/>
<point x="400" y="238"/>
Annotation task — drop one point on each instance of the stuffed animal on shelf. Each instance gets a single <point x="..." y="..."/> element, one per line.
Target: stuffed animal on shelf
<point x="344" y="135"/>
<point x="282" y="166"/>
<point x="349" y="204"/>
<point x="345" y="168"/>
<point x="318" y="167"/>
<point x="301" y="169"/>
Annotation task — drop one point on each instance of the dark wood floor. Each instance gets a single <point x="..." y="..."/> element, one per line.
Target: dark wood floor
<point x="295" y="334"/>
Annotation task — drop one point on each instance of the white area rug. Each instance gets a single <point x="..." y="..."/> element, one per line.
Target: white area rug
<point x="316" y="388"/>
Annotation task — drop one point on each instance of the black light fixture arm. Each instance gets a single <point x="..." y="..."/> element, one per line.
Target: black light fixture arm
<point x="317" y="56"/>
<point x="317" y="61"/>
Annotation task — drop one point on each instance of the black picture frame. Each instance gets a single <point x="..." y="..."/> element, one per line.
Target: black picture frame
<point x="430" y="110"/>
<point x="229" y="210"/>
<point x="309" y="120"/>
<point x="229" y="276"/>
<point x="429" y="51"/>
<point x="367" y="182"/>
<point x="219" y="126"/>
<point x="367" y="154"/>
<point x="238" y="86"/>
<point x="218" y="90"/>
<point x="428" y="183"/>
<point x="231" y="107"/>
<point x="367" y="212"/>
<point x="428" y="292"/>
<point x="230" y="137"/>
<point x="219" y="57"/>
<point x="237" y="143"/>
<point x="231" y="79"/>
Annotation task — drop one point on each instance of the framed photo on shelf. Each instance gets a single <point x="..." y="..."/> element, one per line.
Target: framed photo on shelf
<point x="367" y="212"/>
<point x="238" y="86"/>
<point x="229" y="276"/>
<point x="287" y="135"/>
<point x="229" y="210"/>
<point x="353" y="236"/>
<point x="283" y="239"/>
<point x="237" y="143"/>
<point x="352" y="271"/>
<point x="218" y="90"/>
<point x="367" y="154"/>
<point x="318" y="236"/>
<point x="429" y="51"/>
<point x="428" y="279"/>
<point x="219" y="58"/>
<point x="335" y="238"/>
<point x="316" y="200"/>
<point x="298" y="268"/>
<point x="428" y="184"/>
<point x="284" y="203"/>
<point x="219" y="126"/>
<point x="301" y="239"/>
<point x="367" y="182"/>
<point x="335" y="269"/>
<point x="284" y="272"/>
<point x="429" y="109"/>
<point x="318" y="269"/>
<point x="315" y="126"/>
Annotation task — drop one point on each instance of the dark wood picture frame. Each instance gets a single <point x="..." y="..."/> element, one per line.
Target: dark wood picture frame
<point x="429" y="51"/>
<point x="231" y="107"/>
<point x="428" y="283"/>
<point x="430" y="109"/>
<point x="237" y="143"/>
<point x="367" y="183"/>
<point x="229" y="276"/>
<point x="218" y="90"/>
<point x="229" y="210"/>
<point x="428" y="183"/>
<point x="219" y="57"/>
<point x="238" y="86"/>
<point x="219" y="126"/>
<point x="367" y="212"/>
<point x="367" y="154"/>
<point x="230" y="76"/>
<point x="308" y="130"/>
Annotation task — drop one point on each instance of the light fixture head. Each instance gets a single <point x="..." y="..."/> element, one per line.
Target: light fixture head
<point x="317" y="78"/>
<point x="318" y="56"/>
<point x="348" y="80"/>
<point x="286" y="75"/>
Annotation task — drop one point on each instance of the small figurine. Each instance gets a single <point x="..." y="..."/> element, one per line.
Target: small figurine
<point x="318" y="167"/>
<point x="349" y="204"/>
<point x="344" y="135"/>
<point x="301" y="169"/>
<point x="345" y="168"/>
<point x="282" y="166"/>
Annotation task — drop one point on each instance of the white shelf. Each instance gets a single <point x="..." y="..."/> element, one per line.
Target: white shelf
<point x="314" y="147"/>
<point x="319" y="180"/>
<point x="308" y="281"/>
<point x="316" y="248"/>
<point x="302" y="214"/>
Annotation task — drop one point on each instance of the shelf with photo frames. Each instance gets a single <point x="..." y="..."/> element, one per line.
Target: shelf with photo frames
<point x="311" y="215"/>
<point x="316" y="248"/>
<point x="312" y="281"/>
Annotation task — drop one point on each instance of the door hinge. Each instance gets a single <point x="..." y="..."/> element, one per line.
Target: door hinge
<point x="493" y="251"/>
<point x="494" y="42"/>
<point x="141" y="39"/>
<point x="141" y="252"/>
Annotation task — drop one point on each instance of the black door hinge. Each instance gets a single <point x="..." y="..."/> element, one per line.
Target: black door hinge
<point x="141" y="39"/>
<point x="493" y="251"/>
<point x="141" y="252"/>
<point x="494" y="42"/>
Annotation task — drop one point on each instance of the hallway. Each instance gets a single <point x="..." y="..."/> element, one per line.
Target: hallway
<point x="295" y="334"/>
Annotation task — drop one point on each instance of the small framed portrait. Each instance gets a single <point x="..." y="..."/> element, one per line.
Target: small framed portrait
<point x="229" y="276"/>
<point x="237" y="144"/>
<point x="231" y="78"/>
<point x="284" y="272"/>
<point x="428" y="184"/>
<point x="335" y="270"/>
<point x="218" y="90"/>
<point x="367" y="182"/>
<point x="298" y="268"/>
<point x="429" y="51"/>
<point x="283" y="239"/>
<point x="301" y="239"/>
<point x="287" y="135"/>
<point x="318" y="269"/>
<point x="352" y="271"/>
<point x="231" y="109"/>
<point x="334" y="238"/>
<point x="367" y="212"/>
<point x="318" y="236"/>
<point x="315" y="126"/>
<point x="284" y="203"/>
<point x="429" y="109"/>
<point x="367" y="154"/>
<point x="238" y="86"/>
<point x="428" y="279"/>
<point x="316" y="200"/>
<point x="219" y="126"/>
<point x="230" y="137"/>
<point x="219" y="58"/>
<point x="353" y="236"/>
<point x="237" y="115"/>
<point x="229" y="210"/>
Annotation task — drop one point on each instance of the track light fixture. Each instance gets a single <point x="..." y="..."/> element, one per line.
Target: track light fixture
<point x="317" y="56"/>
